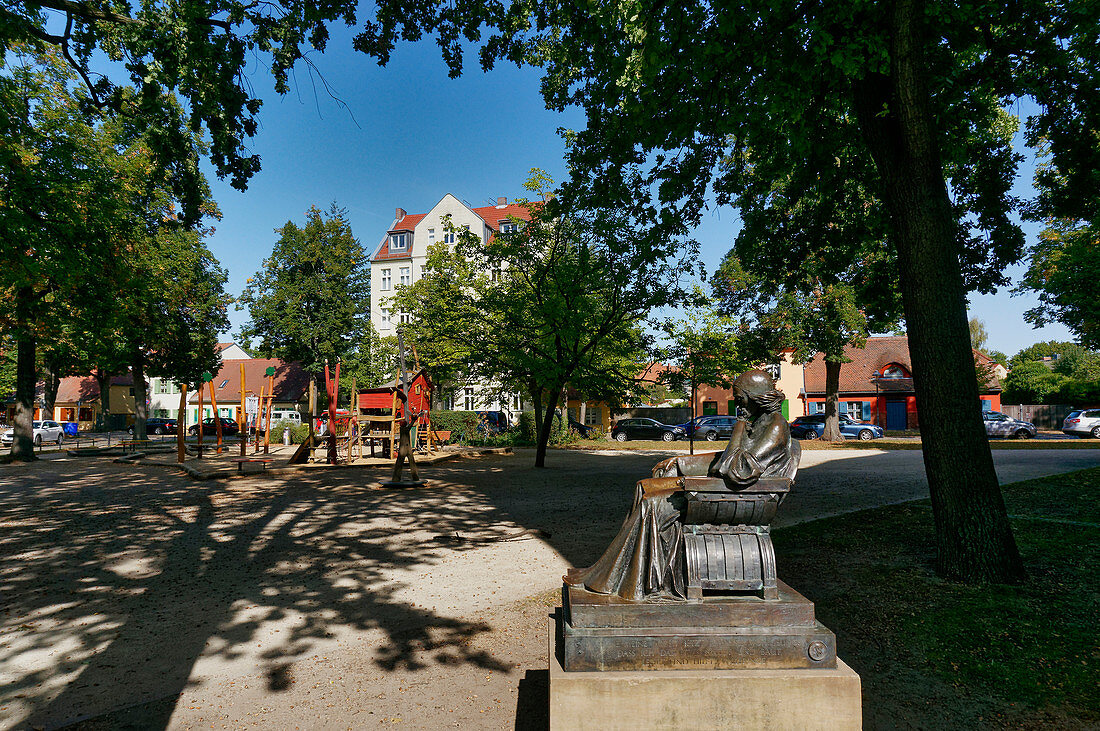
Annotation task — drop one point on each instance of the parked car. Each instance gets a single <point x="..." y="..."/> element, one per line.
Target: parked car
<point x="580" y="428"/>
<point x="645" y="429"/>
<point x="1002" y="425"/>
<point x="689" y="427"/>
<point x="1084" y="423"/>
<point x="41" y="431"/>
<point x="715" y="427"/>
<point x="813" y="426"/>
<point x="156" y="425"/>
<point x="209" y="426"/>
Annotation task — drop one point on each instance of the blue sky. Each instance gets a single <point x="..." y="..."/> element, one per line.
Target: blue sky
<point x="405" y="135"/>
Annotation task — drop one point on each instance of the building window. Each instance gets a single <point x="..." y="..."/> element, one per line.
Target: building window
<point x="223" y="383"/>
<point x="517" y="402"/>
<point x="383" y="319"/>
<point x="593" y="416"/>
<point x="405" y="318"/>
<point x="398" y="242"/>
<point x="449" y="237"/>
<point x="710" y="408"/>
<point x="496" y="271"/>
<point x="431" y="236"/>
<point x="893" y="372"/>
<point x="449" y="401"/>
<point x="387" y="281"/>
<point x="856" y="410"/>
<point x="406" y="276"/>
<point x="469" y="402"/>
<point x="507" y="227"/>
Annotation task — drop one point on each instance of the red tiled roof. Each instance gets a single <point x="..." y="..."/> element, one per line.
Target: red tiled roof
<point x="290" y="380"/>
<point x="408" y="223"/>
<point x="492" y="215"/>
<point x="84" y="388"/>
<point x="867" y="363"/>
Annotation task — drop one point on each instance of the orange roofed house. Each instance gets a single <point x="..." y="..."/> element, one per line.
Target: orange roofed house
<point x="291" y="387"/>
<point x="877" y="385"/>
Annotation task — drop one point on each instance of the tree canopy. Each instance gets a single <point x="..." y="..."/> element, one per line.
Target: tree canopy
<point x="311" y="300"/>
<point x="556" y="302"/>
<point x="1064" y="266"/>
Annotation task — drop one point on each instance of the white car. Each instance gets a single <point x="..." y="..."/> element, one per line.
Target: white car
<point x="44" y="432"/>
<point x="1083" y="424"/>
<point x="1001" y="425"/>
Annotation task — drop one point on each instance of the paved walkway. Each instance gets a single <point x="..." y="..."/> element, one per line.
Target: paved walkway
<point x="135" y="596"/>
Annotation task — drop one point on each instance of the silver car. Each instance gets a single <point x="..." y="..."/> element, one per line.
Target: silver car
<point x="1085" y="423"/>
<point x="43" y="432"/>
<point x="1002" y="425"/>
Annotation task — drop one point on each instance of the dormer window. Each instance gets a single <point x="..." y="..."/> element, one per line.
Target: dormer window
<point x="399" y="242"/>
<point x="507" y="227"/>
<point x="894" y="371"/>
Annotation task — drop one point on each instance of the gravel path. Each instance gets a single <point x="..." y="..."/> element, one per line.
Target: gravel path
<point x="134" y="597"/>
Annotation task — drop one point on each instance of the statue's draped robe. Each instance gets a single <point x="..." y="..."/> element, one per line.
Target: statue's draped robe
<point x="646" y="558"/>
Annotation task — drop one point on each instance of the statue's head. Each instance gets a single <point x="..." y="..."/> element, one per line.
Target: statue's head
<point x="758" y="388"/>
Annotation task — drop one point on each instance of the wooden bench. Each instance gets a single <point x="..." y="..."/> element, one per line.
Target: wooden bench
<point x="131" y="445"/>
<point x="242" y="461"/>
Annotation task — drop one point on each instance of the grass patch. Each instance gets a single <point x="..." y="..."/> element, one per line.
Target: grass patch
<point x="813" y="444"/>
<point x="937" y="654"/>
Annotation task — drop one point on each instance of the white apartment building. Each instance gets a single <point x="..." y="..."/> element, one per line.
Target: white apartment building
<point x="400" y="257"/>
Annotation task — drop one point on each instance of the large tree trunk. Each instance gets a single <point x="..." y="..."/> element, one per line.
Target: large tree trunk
<point x="831" y="432"/>
<point x="103" y="379"/>
<point x="22" y="446"/>
<point x="974" y="540"/>
<point x="51" y="385"/>
<point x="536" y="399"/>
<point x="141" y="405"/>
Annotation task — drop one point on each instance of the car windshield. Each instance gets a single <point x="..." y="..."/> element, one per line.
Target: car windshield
<point x="36" y="424"/>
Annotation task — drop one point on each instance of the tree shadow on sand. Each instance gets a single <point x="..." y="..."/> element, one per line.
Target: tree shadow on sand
<point x="114" y="584"/>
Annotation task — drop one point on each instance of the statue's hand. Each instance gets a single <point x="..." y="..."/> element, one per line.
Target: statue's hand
<point x="667" y="468"/>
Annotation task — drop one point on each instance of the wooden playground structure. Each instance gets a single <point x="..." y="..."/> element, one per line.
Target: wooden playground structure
<point x="371" y="428"/>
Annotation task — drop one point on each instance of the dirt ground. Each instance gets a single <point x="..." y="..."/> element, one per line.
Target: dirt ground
<point x="135" y="597"/>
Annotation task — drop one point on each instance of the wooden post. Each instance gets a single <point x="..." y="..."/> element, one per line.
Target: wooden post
<point x="259" y="419"/>
<point x="217" y="417"/>
<point x="200" y="419"/>
<point x="354" y="443"/>
<point x="242" y="418"/>
<point x="181" y="425"/>
<point x="331" y="416"/>
<point x="270" y="402"/>
<point x="312" y="413"/>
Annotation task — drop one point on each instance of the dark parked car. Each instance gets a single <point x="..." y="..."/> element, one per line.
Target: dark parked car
<point x="580" y="428"/>
<point x="229" y="427"/>
<point x="157" y="425"/>
<point x="689" y="427"/>
<point x="812" y="427"/>
<point x="645" y="429"/>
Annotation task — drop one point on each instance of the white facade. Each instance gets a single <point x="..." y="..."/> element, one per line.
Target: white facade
<point x="400" y="259"/>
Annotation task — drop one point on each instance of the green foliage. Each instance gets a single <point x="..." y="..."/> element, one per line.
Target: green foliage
<point x="311" y="301"/>
<point x="558" y="301"/>
<point x="1064" y="267"/>
<point x="559" y="432"/>
<point x="979" y="336"/>
<point x="1072" y="377"/>
<point x="701" y="348"/>
<point x="461" y="424"/>
<point x="299" y="432"/>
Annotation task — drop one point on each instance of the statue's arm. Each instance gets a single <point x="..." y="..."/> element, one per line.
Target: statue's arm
<point x="688" y="465"/>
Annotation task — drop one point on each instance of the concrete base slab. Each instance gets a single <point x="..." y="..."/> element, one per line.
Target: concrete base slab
<point x="814" y="698"/>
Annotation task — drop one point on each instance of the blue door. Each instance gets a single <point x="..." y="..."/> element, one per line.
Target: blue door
<point x="895" y="415"/>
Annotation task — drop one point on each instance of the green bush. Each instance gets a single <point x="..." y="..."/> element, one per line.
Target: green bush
<point x="298" y="432"/>
<point x="559" y="433"/>
<point x="461" y="424"/>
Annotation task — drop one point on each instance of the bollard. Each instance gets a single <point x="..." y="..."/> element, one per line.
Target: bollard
<point x="286" y="435"/>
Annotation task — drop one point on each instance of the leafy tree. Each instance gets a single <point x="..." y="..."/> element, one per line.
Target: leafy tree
<point x="67" y="182"/>
<point x="979" y="336"/>
<point x="556" y="302"/>
<point x="1031" y="383"/>
<point x="917" y="87"/>
<point x="701" y="349"/>
<point x="311" y="301"/>
<point x="1064" y="266"/>
<point x="1045" y="349"/>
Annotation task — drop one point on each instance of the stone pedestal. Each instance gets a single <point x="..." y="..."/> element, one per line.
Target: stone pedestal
<point x="759" y="698"/>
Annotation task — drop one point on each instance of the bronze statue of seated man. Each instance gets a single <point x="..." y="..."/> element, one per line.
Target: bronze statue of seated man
<point x="646" y="558"/>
